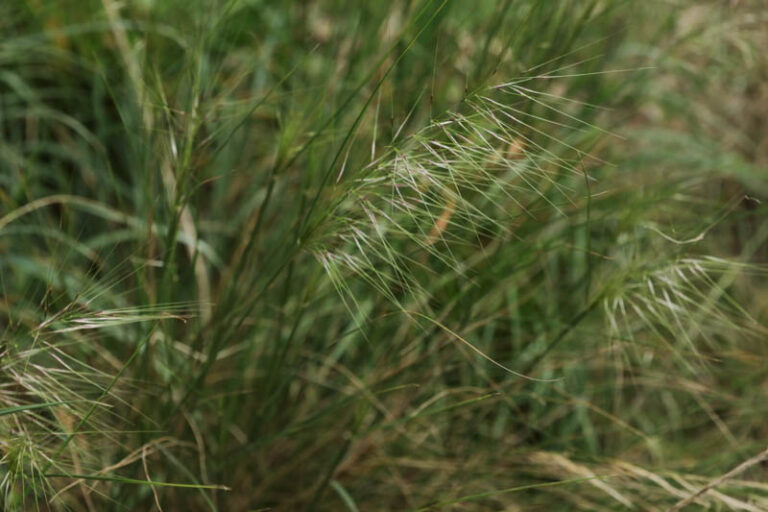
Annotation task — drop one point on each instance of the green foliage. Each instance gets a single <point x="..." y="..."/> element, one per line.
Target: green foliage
<point x="409" y="255"/>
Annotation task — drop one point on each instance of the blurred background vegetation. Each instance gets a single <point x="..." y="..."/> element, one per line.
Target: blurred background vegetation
<point x="405" y="255"/>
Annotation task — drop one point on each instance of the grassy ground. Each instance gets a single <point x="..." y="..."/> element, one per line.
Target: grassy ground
<point x="408" y="255"/>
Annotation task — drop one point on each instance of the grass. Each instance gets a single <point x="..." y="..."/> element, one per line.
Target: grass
<point x="337" y="255"/>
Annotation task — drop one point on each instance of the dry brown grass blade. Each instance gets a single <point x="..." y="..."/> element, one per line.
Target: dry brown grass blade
<point x="760" y="457"/>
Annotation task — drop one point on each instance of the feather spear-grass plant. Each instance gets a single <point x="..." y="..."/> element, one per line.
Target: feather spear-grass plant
<point x="336" y="255"/>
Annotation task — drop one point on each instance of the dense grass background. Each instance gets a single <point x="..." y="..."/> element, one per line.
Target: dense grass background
<point x="407" y="255"/>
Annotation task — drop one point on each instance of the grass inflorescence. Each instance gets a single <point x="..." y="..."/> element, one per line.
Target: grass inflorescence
<point x="410" y="255"/>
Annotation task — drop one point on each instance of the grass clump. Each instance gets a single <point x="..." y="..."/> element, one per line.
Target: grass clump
<point x="382" y="256"/>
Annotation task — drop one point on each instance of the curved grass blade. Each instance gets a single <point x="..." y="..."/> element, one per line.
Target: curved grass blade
<point x="22" y="408"/>
<point x="122" y="480"/>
